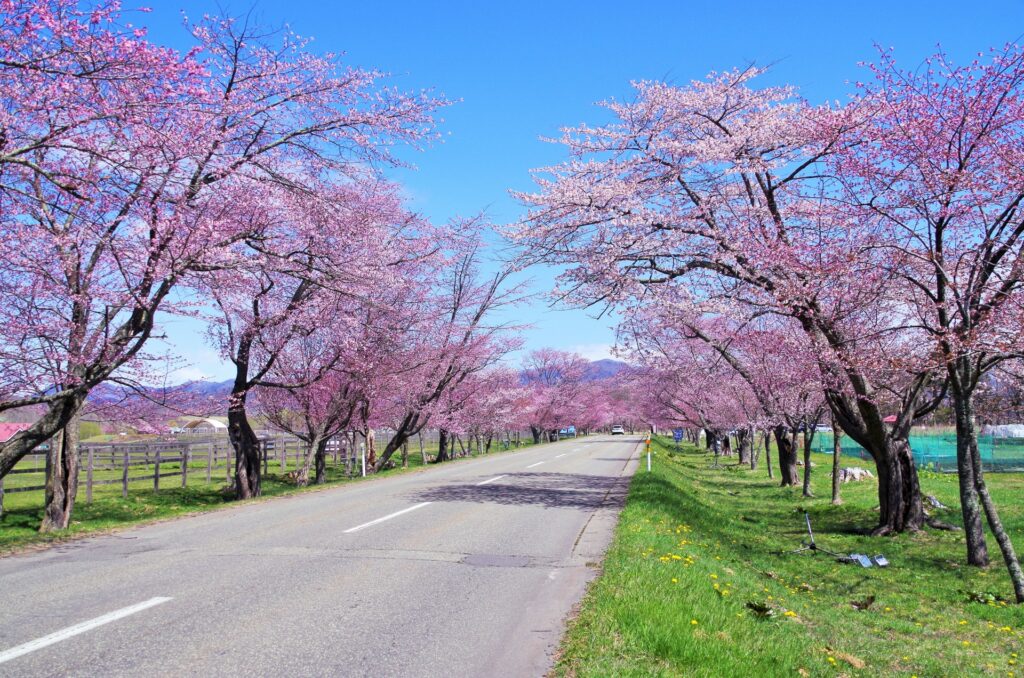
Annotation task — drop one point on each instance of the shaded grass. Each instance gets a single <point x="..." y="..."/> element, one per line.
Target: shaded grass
<point x="695" y="544"/>
<point x="23" y="511"/>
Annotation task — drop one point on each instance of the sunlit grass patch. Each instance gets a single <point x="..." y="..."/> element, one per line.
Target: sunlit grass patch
<point x="696" y="583"/>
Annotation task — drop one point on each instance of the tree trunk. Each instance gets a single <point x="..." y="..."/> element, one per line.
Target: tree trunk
<point x="752" y="441"/>
<point x="807" y="462"/>
<point x="970" y="503"/>
<point x="442" y="446"/>
<point x="243" y="438"/>
<point x="965" y="411"/>
<point x="247" y="450"/>
<point x="837" y="451"/>
<point x="996" y="525"/>
<point x="423" y="451"/>
<point x="321" y="462"/>
<point x="410" y="425"/>
<point x="536" y="432"/>
<point x="405" y="454"/>
<point x="743" y="446"/>
<point x="899" y="492"/>
<point x="61" y="478"/>
<point x="302" y="472"/>
<point x="371" y="451"/>
<point x="768" y="452"/>
<point x="787" y="456"/>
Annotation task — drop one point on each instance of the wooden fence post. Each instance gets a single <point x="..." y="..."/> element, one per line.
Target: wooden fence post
<point x="124" y="476"/>
<point x="282" y="455"/>
<point x="88" y="477"/>
<point x="209" y="463"/>
<point x="1" y="496"/>
<point x="227" y="462"/>
<point x="263" y="453"/>
<point x="156" y="472"/>
<point x="184" y="465"/>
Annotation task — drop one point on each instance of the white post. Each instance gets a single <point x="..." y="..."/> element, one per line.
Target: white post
<point x="362" y="458"/>
<point x="648" y="452"/>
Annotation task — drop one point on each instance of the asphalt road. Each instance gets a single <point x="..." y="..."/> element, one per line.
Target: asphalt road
<point x="468" y="574"/>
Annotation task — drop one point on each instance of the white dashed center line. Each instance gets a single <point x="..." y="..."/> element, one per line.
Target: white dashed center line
<point x="387" y="517"/>
<point x="64" y="634"/>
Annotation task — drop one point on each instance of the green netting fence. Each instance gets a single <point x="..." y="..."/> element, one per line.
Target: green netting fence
<point x="936" y="450"/>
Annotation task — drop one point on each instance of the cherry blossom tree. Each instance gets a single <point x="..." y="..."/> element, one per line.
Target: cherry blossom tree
<point x="722" y="188"/>
<point x="554" y="380"/>
<point x="97" y="225"/>
<point x="939" y="166"/>
<point x="457" y="336"/>
<point x="127" y="167"/>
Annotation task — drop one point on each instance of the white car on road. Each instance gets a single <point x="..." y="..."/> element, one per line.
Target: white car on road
<point x="618" y="431"/>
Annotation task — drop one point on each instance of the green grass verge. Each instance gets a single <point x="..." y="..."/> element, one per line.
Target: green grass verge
<point x="695" y="544"/>
<point x="23" y="511"/>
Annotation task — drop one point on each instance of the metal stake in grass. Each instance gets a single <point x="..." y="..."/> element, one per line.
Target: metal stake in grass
<point x="812" y="546"/>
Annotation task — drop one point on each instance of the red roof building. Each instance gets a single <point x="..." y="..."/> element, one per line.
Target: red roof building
<point x="7" y="430"/>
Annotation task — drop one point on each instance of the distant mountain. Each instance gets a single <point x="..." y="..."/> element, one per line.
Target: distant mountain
<point x="109" y="393"/>
<point x="220" y="390"/>
<point x="604" y="368"/>
<point x="214" y="389"/>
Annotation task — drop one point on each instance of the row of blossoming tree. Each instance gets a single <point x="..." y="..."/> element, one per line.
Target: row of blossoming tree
<point x="781" y="263"/>
<point x="241" y="183"/>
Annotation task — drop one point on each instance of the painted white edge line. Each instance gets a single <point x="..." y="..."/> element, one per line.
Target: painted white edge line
<point x="537" y="464"/>
<point x="557" y="456"/>
<point x="64" y="634"/>
<point x="491" y="480"/>
<point x="387" y="517"/>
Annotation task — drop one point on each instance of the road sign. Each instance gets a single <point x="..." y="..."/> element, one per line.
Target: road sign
<point x="677" y="434"/>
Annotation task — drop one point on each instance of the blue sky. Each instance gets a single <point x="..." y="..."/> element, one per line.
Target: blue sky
<point x="520" y="70"/>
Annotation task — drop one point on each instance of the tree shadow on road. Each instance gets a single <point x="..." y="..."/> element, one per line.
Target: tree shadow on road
<point x="551" y="490"/>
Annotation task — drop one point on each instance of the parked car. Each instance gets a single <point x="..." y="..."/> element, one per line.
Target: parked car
<point x="618" y="431"/>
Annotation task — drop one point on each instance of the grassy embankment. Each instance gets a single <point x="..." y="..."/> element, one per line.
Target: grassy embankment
<point x="22" y="513"/>
<point x="695" y="544"/>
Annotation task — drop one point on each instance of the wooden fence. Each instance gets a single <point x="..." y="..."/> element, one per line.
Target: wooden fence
<point x="175" y="462"/>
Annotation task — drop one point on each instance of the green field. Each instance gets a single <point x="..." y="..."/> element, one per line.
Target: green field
<point x="695" y="545"/>
<point x="22" y="513"/>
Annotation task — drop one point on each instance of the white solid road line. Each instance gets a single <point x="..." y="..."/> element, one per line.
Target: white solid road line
<point x="387" y="517"/>
<point x="64" y="634"/>
<point x="560" y="455"/>
<point x="491" y="480"/>
<point x="537" y="464"/>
